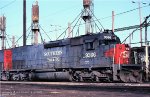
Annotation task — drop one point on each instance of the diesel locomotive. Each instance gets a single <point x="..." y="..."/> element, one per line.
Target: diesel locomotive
<point x="91" y="57"/>
<point x="94" y="57"/>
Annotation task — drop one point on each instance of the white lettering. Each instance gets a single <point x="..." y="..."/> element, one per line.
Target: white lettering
<point x="90" y="55"/>
<point x="107" y="37"/>
<point x="53" y="59"/>
<point x="87" y="62"/>
<point x="53" y="53"/>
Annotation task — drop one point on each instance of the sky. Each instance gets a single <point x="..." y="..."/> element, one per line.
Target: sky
<point x="55" y="14"/>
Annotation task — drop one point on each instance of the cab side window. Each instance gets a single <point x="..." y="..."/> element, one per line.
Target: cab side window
<point x="89" y="46"/>
<point x="104" y="42"/>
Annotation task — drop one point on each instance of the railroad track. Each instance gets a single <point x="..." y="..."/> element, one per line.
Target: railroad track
<point x="73" y="89"/>
<point x="110" y="85"/>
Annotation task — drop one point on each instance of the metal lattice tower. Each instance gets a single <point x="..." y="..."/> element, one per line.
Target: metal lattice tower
<point x="87" y="15"/>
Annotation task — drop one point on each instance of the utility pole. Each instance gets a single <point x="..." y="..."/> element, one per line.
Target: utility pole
<point x="113" y="16"/>
<point x="140" y="16"/>
<point x="147" y="60"/>
<point x="130" y="39"/>
<point x="69" y="30"/>
<point x="13" y="42"/>
<point x="140" y="21"/>
<point x="146" y="25"/>
<point x="146" y="50"/>
<point x="24" y="22"/>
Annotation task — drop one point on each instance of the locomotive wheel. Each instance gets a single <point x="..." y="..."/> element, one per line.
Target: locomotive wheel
<point x="124" y="76"/>
<point x="128" y="76"/>
<point x="5" y="76"/>
<point x="70" y="78"/>
<point x="97" y="79"/>
<point x="81" y="79"/>
<point x="15" y="77"/>
<point x="23" y="76"/>
<point x="136" y="77"/>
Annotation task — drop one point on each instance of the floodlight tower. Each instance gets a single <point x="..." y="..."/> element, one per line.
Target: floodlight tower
<point x="87" y="15"/>
<point x="2" y="31"/>
<point x="35" y="22"/>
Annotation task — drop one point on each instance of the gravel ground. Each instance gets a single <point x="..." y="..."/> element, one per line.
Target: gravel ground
<point x="24" y="90"/>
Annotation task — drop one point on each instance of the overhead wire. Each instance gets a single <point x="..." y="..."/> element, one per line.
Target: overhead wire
<point x="91" y="21"/>
<point x="141" y="25"/>
<point x="28" y="33"/>
<point x="139" y="42"/>
<point x="96" y="26"/>
<point x="8" y="38"/>
<point x="98" y="21"/>
<point x="78" y="29"/>
<point x="104" y="18"/>
<point x="75" y="26"/>
<point x="18" y="39"/>
<point x="22" y="35"/>
<point x="8" y="4"/>
<point x="79" y="15"/>
<point x="41" y="37"/>
<point x="39" y="32"/>
<point x="45" y="32"/>
<point x="71" y="23"/>
<point x="130" y="35"/>
<point x="7" y="42"/>
<point x="108" y="17"/>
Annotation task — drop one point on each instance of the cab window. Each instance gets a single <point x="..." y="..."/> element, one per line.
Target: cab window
<point x="89" y="46"/>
